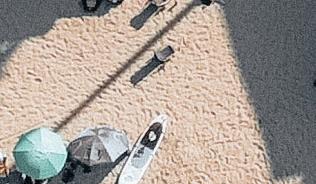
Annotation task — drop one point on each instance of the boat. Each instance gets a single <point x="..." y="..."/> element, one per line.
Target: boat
<point x="143" y="151"/>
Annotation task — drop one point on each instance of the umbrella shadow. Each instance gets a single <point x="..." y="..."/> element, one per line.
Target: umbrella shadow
<point x="106" y="83"/>
<point x="14" y="177"/>
<point x="139" y="20"/>
<point x="84" y="174"/>
<point x="21" y="20"/>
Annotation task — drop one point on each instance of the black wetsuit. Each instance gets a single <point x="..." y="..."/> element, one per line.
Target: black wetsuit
<point x="157" y="129"/>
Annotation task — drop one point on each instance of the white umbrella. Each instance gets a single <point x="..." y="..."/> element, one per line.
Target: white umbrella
<point x="99" y="145"/>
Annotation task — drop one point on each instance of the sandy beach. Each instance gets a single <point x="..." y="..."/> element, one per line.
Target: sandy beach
<point x="77" y="75"/>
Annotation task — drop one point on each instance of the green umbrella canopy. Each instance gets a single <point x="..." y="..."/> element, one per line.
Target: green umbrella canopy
<point x="40" y="153"/>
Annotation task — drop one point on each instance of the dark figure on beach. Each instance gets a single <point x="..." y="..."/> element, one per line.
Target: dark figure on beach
<point x="152" y="136"/>
<point x="74" y="164"/>
<point x="91" y="5"/>
<point x="40" y="181"/>
<point x="86" y="169"/>
<point x="68" y="175"/>
<point x="28" y="180"/>
<point x="209" y="2"/>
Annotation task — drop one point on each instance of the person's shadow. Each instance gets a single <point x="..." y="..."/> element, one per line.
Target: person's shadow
<point x="23" y="19"/>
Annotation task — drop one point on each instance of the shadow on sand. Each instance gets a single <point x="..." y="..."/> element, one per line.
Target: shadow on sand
<point x="157" y="60"/>
<point x="95" y="176"/>
<point x="139" y="20"/>
<point x="23" y="19"/>
<point x="14" y="178"/>
<point x="152" y="64"/>
<point x="275" y="45"/>
<point x="124" y="67"/>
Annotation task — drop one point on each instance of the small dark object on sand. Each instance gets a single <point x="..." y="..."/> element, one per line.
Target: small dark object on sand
<point x="164" y="54"/>
<point x="206" y="2"/>
<point x="39" y="181"/>
<point x="28" y="180"/>
<point x="68" y="176"/>
<point x="209" y="2"/>
<point x="74" y="165"/>
<point x="314" y="83"/>
<point x="86" y="169"/>
<point x="159" y="58"/>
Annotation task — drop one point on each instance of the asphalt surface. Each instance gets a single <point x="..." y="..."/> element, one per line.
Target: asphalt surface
<point x="23" y="19"/>
<point x="275" y="44"/>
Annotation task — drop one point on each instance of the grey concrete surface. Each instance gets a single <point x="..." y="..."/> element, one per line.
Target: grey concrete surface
<point x="275" y="43"/>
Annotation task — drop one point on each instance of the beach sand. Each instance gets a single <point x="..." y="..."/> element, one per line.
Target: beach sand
<point x="213" y="136"/>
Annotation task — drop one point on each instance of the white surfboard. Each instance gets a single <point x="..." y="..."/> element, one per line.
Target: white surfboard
<point x="143" y="151"/>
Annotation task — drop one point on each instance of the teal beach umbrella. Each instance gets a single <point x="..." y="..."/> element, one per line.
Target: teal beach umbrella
<point x="40" y="154"/>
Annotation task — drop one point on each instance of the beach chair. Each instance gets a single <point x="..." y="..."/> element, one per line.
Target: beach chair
<point x="151" y="8"/>
<point x="158" y="59"/>
<point x="164" y="54"/>
<point x="158" y="3"/>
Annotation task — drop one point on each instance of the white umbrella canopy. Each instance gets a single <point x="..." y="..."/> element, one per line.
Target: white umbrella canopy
<point x="99" y="145"/>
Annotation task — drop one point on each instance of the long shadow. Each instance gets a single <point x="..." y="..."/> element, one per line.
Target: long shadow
<point x="152" y="64"/>
<point x="124" y="67"/>
<point x="275" y="45"/>
<point x="23" y="19"/>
